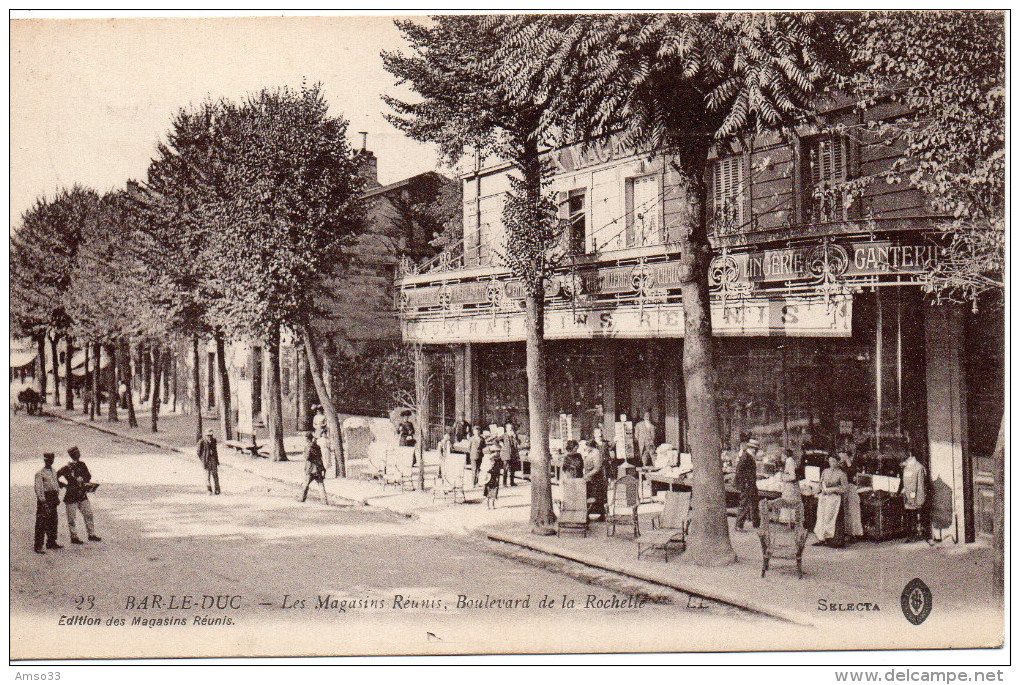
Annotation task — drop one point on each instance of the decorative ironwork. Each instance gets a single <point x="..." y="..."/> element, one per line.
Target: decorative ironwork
<point x="724" y="278"/>
<point x="827" y="263"/>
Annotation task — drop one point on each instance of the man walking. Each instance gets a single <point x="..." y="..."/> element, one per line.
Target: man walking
<point x="47" y="496"/>
<point x="746" y="480"/>
<point x="211" y="461"/>
<point x="76" y="478"/>
<point x="315" y="470"/>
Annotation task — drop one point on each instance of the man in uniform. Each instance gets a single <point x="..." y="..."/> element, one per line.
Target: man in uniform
<point x="211" y="461"/>
<point x="47" y="496"/>
<point x="75" y="477"/>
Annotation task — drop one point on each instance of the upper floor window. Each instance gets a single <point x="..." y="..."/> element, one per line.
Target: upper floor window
<point x="728" y="194"/>
<point x="576" y="221"/>
<point x="825" y="167"/>
<point x="644" y="211"/>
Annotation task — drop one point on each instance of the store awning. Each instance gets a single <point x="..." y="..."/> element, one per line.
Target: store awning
<point x="78" y="362"/>
<point x="21" y="358"/>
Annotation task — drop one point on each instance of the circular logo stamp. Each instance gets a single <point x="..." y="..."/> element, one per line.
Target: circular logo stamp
<point x="916" y="601"/>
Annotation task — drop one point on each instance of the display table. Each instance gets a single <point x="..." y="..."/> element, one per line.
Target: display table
<point x="882" y="515"/>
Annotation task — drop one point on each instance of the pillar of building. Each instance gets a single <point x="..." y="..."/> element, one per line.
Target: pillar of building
<point x="670" y="360"/>
<point x="466" y="394"/>
<point x="609" y="413"/>
<point x="947" y="416"/>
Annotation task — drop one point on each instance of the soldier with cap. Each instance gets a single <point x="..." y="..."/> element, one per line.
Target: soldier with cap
<point x="76" y="478"/>
<point x="211" y="461"/>
<point x="47" y="496"/>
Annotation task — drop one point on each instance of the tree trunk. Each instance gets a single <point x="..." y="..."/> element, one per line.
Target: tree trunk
<point x="275" y="415"/>
<point x="543" y="519"/>
<point x="335" y="443"/>
<point x="173" y="376"/>
<point x="197" y="379"/>
<point x="40" y="341"/>
<point x="226" y="411"/>
<point x="126" y="357"/>
<point x="145" y="368"/>
<point x="86" y="388"/>
<point x="422" y="389"/>
<point x="55" y="363"/>
<point x="999" y="513"/>
<point x="155" y="367"/>
<point x="68" y="384"/>
<point x="97" y="374"/>
<point x="304" y="398"/>
<point x="708" y="541"/>
<point x="112" y="399"/>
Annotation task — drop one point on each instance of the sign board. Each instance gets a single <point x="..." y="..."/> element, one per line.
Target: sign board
<point x="566" y="427"/>
<point x="624" y="440"/>
<point x="244" y="418"/>
<point x="789" y="316"/>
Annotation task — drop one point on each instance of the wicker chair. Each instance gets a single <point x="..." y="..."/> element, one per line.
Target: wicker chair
<point x="623" y="505"/>
<point x="779" y="539"/>
<point x="669" y="528"/>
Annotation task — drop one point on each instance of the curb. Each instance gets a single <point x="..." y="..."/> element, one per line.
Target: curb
<point x="690" y="587"/>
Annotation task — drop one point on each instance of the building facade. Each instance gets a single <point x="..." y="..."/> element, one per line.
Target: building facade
<point x="823" y="336"/>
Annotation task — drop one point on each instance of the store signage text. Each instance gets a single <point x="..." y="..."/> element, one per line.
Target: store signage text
<point x="792" y="316"/>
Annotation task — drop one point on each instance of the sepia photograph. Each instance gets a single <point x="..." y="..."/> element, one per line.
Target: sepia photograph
<point x="436" y="335"/>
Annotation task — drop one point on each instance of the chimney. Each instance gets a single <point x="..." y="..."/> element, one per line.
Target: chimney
<point x="368" y="165"/>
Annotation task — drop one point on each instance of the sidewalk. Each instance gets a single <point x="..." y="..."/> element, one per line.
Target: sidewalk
<point x="864" y="573"/>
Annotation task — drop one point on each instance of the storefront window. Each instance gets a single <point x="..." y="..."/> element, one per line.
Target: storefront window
<point x="822" y="393"/>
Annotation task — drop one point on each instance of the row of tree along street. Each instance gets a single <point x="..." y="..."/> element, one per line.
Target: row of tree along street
<point x="245" y="208"/>
<point x="248" y="205"/>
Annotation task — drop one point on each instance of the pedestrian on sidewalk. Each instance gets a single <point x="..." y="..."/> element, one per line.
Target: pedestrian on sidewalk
<point x="47" y="496"/>
<point x="510" y="453"/>
<point x="595" y="478"/>
<point x="77" y="480"/>
<point x="210" y="461"/>
<point x="746" y="480"/>
<point x="644" y="434"/>
<point x="476" y="447"/>
<point x="913" y="485"/>
<point x="315" y="470"/>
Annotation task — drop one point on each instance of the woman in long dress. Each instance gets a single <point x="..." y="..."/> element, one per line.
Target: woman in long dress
<point x="829" y="524"/>
<point x="595" y="477"/>
<point x="791" y="484"/>
<point x="851" y="498"/>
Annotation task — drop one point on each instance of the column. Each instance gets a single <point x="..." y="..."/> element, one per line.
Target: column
<point x="609" y="414"/>
<point x="947" y="414"/>
<point x="672" y="353"/>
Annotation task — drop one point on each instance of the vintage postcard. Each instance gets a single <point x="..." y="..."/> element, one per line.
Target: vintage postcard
<point x="507" y="334"/>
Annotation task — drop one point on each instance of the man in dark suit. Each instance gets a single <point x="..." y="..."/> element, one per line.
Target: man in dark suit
<point x="210" y="461"/>
<point x="76" y="478"/>
<point x="746" y="480"/>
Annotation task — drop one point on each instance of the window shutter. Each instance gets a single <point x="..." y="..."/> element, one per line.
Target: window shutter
<point x="727" y="196"/>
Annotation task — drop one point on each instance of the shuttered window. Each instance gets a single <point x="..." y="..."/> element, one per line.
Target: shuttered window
<point x="644" y="216"/>
<point x="728" y="194"/>
<point x="826" y="167"/>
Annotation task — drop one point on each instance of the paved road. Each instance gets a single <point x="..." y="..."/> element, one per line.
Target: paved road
<point x="281" y="572"/>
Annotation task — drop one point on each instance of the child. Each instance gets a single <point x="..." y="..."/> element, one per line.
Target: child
<point x="494" y="467"/>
